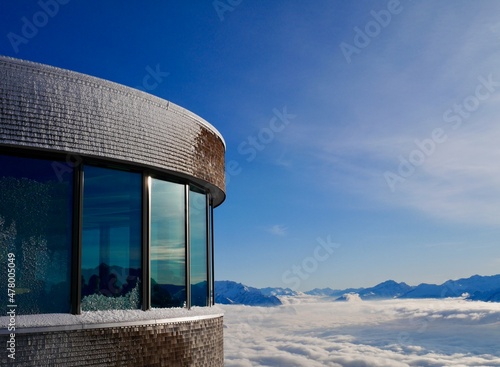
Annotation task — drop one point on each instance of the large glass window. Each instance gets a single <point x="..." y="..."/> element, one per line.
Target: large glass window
<point x="198" y="248"/>
<point x="35" y="226"/>
<point x="111" y="239"/>
<point x="168" y="244"/>
<point x="211" y="274"/>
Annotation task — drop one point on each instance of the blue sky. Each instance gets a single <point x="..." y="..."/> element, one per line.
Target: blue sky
<point x="363" y="136"/>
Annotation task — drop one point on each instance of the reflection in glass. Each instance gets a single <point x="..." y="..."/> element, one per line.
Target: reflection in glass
<point x="35" y="225"/>
<point x="111" y="239"/>
<point x="211" y="280"/>
<point x="167" y="244"/>
<point x="198" y="249"/>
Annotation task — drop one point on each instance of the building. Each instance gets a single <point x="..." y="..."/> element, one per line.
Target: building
<point x="106" y="218"/>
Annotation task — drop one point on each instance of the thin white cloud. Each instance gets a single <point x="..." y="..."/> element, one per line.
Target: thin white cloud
<point x="460" y="181"/>
<point x="368" y="114"/>
<point x="278" y="230"/>
<point x="314" y="332"/>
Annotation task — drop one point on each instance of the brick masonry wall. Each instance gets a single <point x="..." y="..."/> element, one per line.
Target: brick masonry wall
<point x="59" y="110"/>
<point x="190" y="343"/>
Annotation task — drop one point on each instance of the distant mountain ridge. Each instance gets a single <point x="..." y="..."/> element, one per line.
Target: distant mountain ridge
<point x="477" y="288"/>
<point x="228" y="292"/>
<point x="480" y="287"/>
<point x="384" y="290"/>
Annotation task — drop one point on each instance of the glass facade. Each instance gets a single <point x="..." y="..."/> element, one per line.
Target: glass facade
<point x="36" y="226"/>
<point x="88" y="237"/>
<point x="168" y="244"/>
<point x="111" y="239"/>
<point x="199" y="248"/>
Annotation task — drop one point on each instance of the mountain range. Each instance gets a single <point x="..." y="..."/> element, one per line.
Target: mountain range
<point x="228" y="292"/>
<point x="477" y="288"/>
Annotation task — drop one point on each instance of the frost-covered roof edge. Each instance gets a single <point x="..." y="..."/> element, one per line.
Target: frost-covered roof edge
<point x="173" y="107"/>
<point x="87" y="326"/>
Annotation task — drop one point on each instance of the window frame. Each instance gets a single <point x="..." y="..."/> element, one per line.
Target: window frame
<point x="208" y="250"/>
<point x="143" y="225"/>
<point x="76" y="162"/>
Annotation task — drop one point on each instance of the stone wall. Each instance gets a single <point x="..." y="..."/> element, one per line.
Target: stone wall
<point x="187" y="343"/>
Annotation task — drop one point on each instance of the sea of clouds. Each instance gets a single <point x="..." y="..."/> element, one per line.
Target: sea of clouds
<point x="311" y="331"/>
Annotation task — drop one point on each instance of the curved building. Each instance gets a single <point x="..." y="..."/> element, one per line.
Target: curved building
<point x="106" y="223"/>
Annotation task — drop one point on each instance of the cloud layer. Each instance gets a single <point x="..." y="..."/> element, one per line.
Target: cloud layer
<point x="313" y="332"/>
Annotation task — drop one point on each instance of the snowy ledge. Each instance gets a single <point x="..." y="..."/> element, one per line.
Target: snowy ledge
<point x="104" y="319"/>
